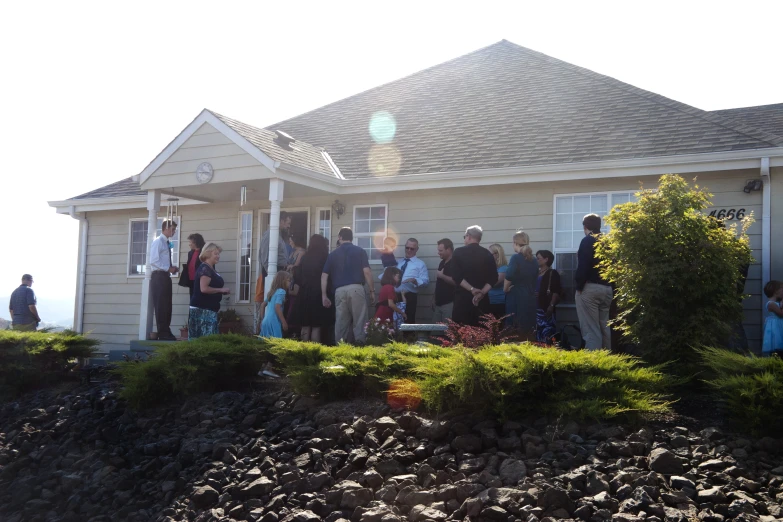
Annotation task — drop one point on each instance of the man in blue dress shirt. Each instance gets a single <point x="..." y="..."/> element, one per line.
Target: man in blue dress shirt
<point x="415" y="276"/>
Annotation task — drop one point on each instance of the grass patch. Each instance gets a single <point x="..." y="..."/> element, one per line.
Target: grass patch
<point x="509" y="380"/>
<point x="750" y="387"/>
<point x="207" y="364"/>
<point x="32" y="359"/>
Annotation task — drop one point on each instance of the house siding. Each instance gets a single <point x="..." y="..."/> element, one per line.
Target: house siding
<point x="112" y="299"/>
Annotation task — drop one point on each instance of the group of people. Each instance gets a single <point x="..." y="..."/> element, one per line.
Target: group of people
<point x="318" y="289"/>
<point x="314" y="289"/>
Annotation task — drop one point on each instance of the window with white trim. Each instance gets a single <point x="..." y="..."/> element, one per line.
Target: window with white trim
<point x="569" y="211"/>
<point x="324" y="224"/>
<point x="137" y="245"/>
<point x="244" y="256"/>
<point x="369" y="229"/>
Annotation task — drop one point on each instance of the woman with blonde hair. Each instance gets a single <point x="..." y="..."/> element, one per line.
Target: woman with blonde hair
<point x="521" y="279"/>
<point x="497" y="295"/>
<point x="208" y="289"/>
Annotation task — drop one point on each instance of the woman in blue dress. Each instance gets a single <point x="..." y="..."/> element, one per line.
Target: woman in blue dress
<point x="521" y="279"/>
<point x="274" y="323"/>
<point x="773" y="322"/>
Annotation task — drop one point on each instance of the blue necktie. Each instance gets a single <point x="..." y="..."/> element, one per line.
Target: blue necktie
<point x="404" y="266"/>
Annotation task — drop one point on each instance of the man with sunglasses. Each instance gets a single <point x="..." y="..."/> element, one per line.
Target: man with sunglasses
<point x="415" y="276"/>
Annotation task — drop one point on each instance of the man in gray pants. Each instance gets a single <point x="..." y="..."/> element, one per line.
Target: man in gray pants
<point x="349" y="268"/>
<point x="593" y="292"/>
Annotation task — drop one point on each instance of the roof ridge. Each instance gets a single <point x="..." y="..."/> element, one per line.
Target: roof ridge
<point x="420" y="71"/>
<point x="749" y="107"/>
<point x="739" y="127"/>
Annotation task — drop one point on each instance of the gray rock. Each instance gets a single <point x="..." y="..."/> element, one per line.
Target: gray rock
<point x="422" y="512"/>
<point x="356" y="497"/>
<point x="713" y="465"/>
<point x="472" y="465"/>
<point x="204" y="496"/>
<point x="257" y="488"/>
<point x="556" y="498"/>
<point x="713" y="494"/>
<point x="468" y="443"/>
<point x="512" y="471"/>
<point x="665" y="462"/>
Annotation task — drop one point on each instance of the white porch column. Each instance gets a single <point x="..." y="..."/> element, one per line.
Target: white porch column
<point x="275" y="197"/>
<point x="146" y="312"/>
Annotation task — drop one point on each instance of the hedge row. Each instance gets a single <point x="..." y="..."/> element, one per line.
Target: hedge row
<point x="32" y="359"/>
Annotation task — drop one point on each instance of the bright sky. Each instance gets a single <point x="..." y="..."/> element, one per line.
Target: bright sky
<point x="92" y="91"/>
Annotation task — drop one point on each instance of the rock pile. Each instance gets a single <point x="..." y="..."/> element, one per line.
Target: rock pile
<point x="275" y="457"/>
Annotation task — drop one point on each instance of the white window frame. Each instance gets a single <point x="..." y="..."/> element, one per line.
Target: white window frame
<point x="238" y="272"/>
<point x="317" y="223"/>
<point x="357" y="235"/>
<point x="604" y="227"/>
<point x="174" y="255"/>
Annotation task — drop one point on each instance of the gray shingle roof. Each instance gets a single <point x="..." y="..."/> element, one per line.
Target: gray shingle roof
<point x="501" y="106"/>
<point x="301" y="154"/>
<point x="505" y="105"/>
<point x="767" y="117"/>
<point x="123" y="188"/>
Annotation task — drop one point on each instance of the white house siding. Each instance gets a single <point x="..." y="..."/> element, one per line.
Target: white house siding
<point x="777" y="223"/>
<point x="112" y="299"/>
<point x="229" y="161"/>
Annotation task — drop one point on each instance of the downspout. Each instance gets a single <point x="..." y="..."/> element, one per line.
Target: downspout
<point x="84" y="225"/>
<point x="766" y="229"/>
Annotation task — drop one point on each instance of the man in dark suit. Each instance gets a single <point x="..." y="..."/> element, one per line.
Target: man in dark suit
<point x="474" y="273"/>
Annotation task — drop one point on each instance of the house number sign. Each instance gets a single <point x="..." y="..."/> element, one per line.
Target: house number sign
<point x="728" y="213"/>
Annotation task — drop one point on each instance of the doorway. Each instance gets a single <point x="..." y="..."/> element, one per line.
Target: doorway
<point x="300" y="223"/>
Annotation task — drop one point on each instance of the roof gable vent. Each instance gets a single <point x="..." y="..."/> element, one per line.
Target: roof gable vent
<point x="284" y="140"/>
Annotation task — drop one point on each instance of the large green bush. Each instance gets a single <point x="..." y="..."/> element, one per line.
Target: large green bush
<point x="675" y="271"/>
<point x="32" y="359"/>
<point x="207" y="364"/>
<point x="509" y="380"/>
<point x="750" y="387"/>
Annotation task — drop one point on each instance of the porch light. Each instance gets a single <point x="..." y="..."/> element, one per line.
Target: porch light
<point x="338" y="208"/>
<point x="751" y="185"/>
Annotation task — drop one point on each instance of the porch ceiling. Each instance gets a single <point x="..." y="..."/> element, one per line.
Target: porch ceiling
<point x="257" y="190"/>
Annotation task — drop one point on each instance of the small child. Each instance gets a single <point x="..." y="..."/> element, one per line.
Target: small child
<point x="387" y="307"/>
<point x="387" y="254"/>
<point x="400" y="317"/>
<point x="274" y="323"/>
<point x="773" y="323"/>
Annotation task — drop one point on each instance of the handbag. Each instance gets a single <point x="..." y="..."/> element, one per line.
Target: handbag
<point x="569" y="338"/>
<point x="184" y="277"/>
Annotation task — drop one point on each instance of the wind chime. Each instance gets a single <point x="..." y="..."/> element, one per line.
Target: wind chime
<point x="243" y="196"/>
<point x="172" y="209"/>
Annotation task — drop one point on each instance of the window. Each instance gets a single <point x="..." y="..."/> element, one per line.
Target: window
<point x="369" y="229"/>
<point x="324" y="224"/>
<point x="569" y="232"/>
<point x="137" y="245"/>
<point x="244" y="259"/>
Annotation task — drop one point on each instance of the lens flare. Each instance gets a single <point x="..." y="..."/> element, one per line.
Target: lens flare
<point x="382" y="127"/>
<point x="384" y="160"/>
<point x="404" y="394"/>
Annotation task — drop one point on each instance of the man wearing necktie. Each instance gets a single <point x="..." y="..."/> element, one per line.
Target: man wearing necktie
<point x="160" y="282"/>
<point x="415" y="276"/>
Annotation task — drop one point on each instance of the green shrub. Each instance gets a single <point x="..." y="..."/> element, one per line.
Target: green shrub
<point x="32" y="359"/>
<point x="509" y="380"/>
<point x="750" y="387"/>
<point x="676" y="272"/>
<point x="208" y="364"/>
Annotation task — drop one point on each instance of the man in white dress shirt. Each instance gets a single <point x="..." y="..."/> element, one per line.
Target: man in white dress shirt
<point x="160" y="283"/>
<point x="415" y="276"/>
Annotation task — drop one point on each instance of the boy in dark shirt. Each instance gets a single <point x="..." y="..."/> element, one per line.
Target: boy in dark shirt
<point x="387" y="254"/>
